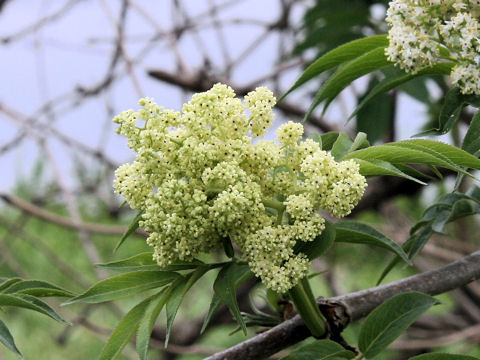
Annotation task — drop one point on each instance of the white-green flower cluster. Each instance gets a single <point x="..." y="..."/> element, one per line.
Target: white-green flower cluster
<point x="426" y="32"/>
<point x="198" y="179"/>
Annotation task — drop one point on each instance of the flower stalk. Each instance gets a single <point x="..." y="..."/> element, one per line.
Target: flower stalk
<point x="302" y="296"/>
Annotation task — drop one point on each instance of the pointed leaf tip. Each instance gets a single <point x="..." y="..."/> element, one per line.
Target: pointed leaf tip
<point x="130" y="230"/>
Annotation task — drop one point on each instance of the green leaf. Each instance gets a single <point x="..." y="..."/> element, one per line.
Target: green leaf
<point x="344" y="76"/>
<point x="318" y="139"/>
<point x="461" y="209"/>
<point x="360" y="142"/>
<point x="380" y="167"/>
<point x="46" y="292"/>
<point x="148" y="321"/>
<point x="471" y="142"/>
<point x="7" y="339"/>
<point x="441" y="214"/>
<point x="418" y="241"/>
<point x="448" y="208"/>
<point x="124" y="331"/>
<point x="130" y="230"/>
<point x="341" y="146"/>
<point x="37" y="288"/>
<point x="144" y="261"/>
<point x="225" y="285"/>
<point x="141" y="261"/>
<point x="124" y="285"/>
<point x="5" y="283"/>
<point x="387" y="269"/>
<point x="390" y="320"/>
<point x="30" y="302"/>
<point x="337" y="56"/>
<point x="452" y="107"/>
<point x="328" y="139"/>
<point x="317" y="247"/>
<point x="447" y="152"/>
<point x="214" y="305"/>
<point x="320" y="350"/>
<point x="178" y="294"/>
<point x="397" y="77"/>
<point x="328" y="24"/>
<point x="411" y="171"/>
<point x="440" y="356"/>
<point x="359" y="233"/>
<point x="273" y="298"/>
<point x="474" y="193"/>
<point x="412" y="246"/>
<point x="403" y="152"/>
<point x="228" y="247"/>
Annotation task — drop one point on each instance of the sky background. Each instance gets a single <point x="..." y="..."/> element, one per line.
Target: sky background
<point x="46" y="66"/>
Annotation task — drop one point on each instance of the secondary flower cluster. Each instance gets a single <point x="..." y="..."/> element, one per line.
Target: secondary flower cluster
<point x="424" y="32"/>
<point x="199" y="181"/>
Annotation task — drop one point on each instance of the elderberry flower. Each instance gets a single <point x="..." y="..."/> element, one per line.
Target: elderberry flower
<point x="467" y="77"/>
<point x="198" y="179"/>
<point x="425" y="32"/>
<point x="260" y="103"/>
<point x="288" y="134"/>
<point x="271" y="257"/>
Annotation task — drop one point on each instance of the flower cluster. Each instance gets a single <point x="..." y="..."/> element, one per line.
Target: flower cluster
<point x="424" y="32"/>
<point x="199" y="180"/>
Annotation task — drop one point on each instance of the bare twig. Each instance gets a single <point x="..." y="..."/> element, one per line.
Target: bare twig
<point x="34" y="129"/>
<point x="62" y="221"/>
<point x="5" y="253"/>
<point x="69" y="5"/>
<point x="470" y="332"/>
<point x="201" y="82"/>
<point x="120" y="48"/>
<point x="14" y="142"/>
<point x="38" y="244"/>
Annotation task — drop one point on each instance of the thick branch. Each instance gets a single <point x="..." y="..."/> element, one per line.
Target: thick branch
<point x="359" y="304"/>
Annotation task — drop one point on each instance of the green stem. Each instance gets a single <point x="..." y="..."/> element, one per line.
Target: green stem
<point x="280" y="217"/>
<point x="274" y="204"/>
<point x="213" y="191"/>
<point x="307" y="308"/>
<point x="178" y="142"/>
<point x="277" y="206"/>
<point x="358" y="357"/>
